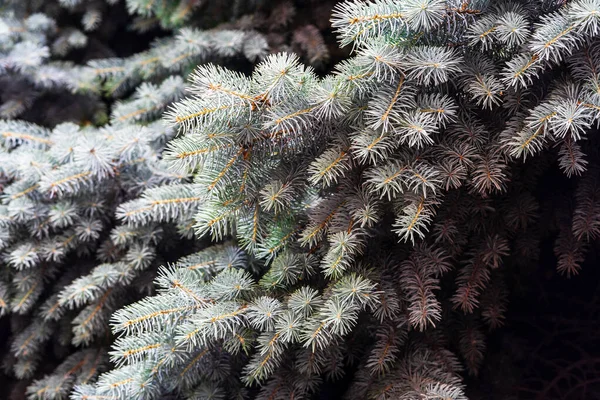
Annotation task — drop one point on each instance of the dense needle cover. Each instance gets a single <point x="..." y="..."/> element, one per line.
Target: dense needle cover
<point x="242" y="210"/>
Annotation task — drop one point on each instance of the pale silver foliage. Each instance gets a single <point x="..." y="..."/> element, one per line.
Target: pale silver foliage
<point x="304" y="177"/>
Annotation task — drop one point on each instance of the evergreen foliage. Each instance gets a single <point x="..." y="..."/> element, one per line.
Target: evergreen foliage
<point x="365" y="223"/>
